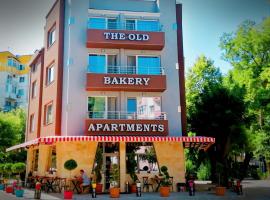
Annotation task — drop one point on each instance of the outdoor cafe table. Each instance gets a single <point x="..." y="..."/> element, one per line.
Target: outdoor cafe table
<point x="49" y="184"/>
<point x="76" y="184"/>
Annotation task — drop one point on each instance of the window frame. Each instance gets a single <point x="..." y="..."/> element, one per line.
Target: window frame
<point x="46" y="118"/>
<point x="34" y="89"/>
<point x="32" y="123"/>
<point x="106" y="60"/>
<point x="22" y="78"/>
<point x="49" y="36"/>
<point x="51" y="66"/>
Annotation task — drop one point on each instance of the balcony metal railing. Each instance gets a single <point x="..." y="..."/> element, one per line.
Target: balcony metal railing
<point x="155" y="27"/>
<point x="127" y="70"/>
<point x="126" y="115"/>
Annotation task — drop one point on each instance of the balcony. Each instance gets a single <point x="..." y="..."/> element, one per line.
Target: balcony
<point x="127" y="78"/>
<point x="124" y="123"/>
<point x="117" y="35"/>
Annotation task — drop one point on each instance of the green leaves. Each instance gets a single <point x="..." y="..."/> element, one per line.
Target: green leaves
<point x="70" y="165"/>
<point x="248" y="50"/>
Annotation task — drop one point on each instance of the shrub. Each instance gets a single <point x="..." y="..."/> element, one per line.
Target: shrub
<point x="18" y="168"/>
<point x="166" y="176"/>
<point x="2" y="170"/>
<point x="204" y="172"/>
<point x="70" y="165"/>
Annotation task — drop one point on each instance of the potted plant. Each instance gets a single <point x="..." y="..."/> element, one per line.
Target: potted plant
<point x="98" y="169"/>
<point x="220" y="190"/>
<point x="69" y="165"/>
<point x="7" y="169"/>
<point x="114" y="189"/>
<point x="165" y="182"/>
<point x="2" y="186"/>
<point x="18" y="168"/>
<point x="131" y="170"/>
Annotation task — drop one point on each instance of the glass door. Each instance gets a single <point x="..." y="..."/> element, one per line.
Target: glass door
<point x="111" y="170"/>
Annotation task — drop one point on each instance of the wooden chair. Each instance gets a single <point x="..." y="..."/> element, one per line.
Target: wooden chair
<point x="171" y="182"/>
<point x="146" y="184"/>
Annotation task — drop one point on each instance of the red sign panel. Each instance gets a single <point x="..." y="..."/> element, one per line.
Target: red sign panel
<point x="125" y="82"/>
<point x="117" y="39"/>
<point x="126" y="127"/>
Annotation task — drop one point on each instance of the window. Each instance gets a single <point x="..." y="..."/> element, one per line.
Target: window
<point x="102" y="107"/>
<point x="96" y="107"/>
<point x="131" y="24"/>
<point x="48" y="114"/>
<point x="145" y="156"/>
<point x="14" y="89"/>
<point x="149" y="65"/>
<point x="97" y="23"/>
<point x="112" y="24"/>
<point x="35" y="160"/>
<point x="22" y="79"/>
<point x="34" y="89"/>
<point x="12" y="62"/>
<point x="112" y="64"/>
<point x="50" y="74"/>
<point x="131" y="65"/>
<point x="34" y="68"/>
<point x="144" y="107"/>
<point x="20" y="93"/>
<point x="52" y="162"/>
<point x="9" y="79"/>
<point x="32" y="123"/>
<point x="51" y="36"/>
<point x="97" y="63"/>
<point x="148" y="25"/>
<point x="21" y="67"/>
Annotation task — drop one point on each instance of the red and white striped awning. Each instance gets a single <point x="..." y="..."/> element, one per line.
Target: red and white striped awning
<point x="197" y="142"/>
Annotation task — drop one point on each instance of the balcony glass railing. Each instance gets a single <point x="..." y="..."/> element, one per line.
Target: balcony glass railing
<point x="126" y="115"/>
<point x="150" y="26"/>
<point x="126" y="70"/>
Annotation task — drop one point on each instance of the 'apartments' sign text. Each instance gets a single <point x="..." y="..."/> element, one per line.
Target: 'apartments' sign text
<point x="126" y="36"/>
<point x="126" y="127"/>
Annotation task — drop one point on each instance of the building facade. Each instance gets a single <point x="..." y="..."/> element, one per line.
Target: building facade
<point x="14" y="81"/>
<point x="110" y="78"/>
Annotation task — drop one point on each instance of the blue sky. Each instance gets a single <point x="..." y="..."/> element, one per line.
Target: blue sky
<point x="204" y="22"/>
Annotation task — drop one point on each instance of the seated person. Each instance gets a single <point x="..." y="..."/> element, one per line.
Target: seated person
<point x="85" y="181"/>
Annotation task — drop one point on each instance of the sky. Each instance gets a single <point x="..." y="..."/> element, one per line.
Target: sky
<point x="204" y="22"/>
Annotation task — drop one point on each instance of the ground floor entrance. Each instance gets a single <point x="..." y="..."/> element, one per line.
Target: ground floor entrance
<point x="148" y="158"/>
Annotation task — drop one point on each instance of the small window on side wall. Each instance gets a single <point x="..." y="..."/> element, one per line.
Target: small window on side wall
<point x="49" y="113"/>
<point x="50" y="74"/>
<point x="34" y="89"/>
<point x="32" y="125"/>
<point x="51" y="36"/>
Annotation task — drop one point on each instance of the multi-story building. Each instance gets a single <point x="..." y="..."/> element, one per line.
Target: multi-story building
<point x="110" y="77"/>
<point x="14" y="81"/>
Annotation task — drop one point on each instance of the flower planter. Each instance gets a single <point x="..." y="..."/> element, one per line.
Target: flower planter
<point x="2" y="186"/>
<point x="220" y="191"/>
<point x="99" y="188"/>
<point x="9" y="189"/>
<point x="68" y="194"/>
<point x="19" y="193"/>
<point x="133" y="188"/>
<point x="114" y="192"/>
<point x="164" y="191"/>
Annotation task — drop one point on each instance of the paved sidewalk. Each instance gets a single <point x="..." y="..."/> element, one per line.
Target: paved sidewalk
<point x="253" y="190"/>
<point x="145" y="196"/>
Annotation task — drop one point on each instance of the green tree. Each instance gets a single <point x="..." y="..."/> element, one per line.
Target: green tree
<point x="220" y="114"/>
<point x="248" y="51"/>
<point x="202" y="77"/>
<point x="12" y="131"/>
